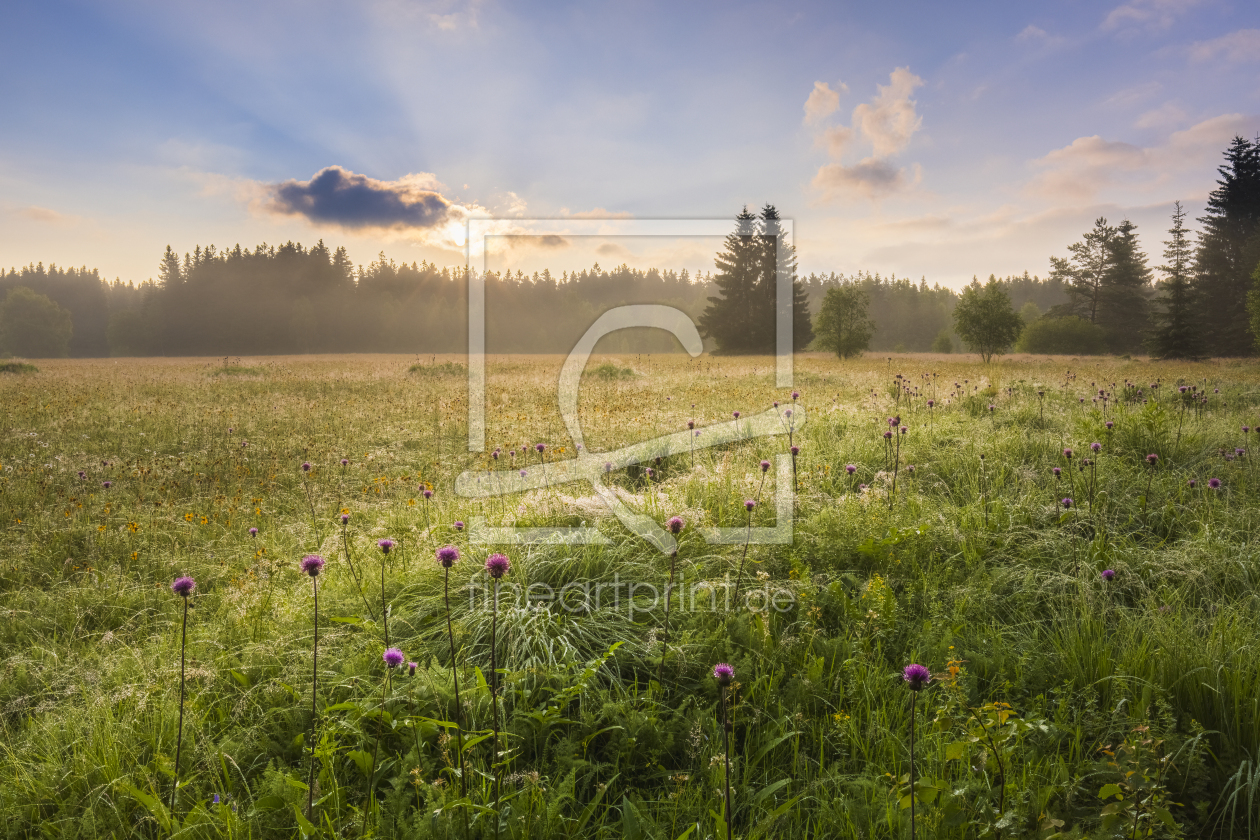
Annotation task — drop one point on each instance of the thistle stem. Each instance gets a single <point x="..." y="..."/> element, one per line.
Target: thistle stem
<point x="179" y="737"/>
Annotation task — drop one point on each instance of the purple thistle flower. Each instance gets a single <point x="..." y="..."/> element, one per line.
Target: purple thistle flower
<point x="1108" y="574"/>
<point x="1109" y="424"/>
<point x="385" y="545"/>
<point x="916" y="676"/>
<point x="1214" y="483"/>
<point x="411" y="669"/>
<point x="991" y="407"/>
<point x="428" y="494"/>
<point x="1096" y="446"/>
<point x="345" y="519"/>
<point x="312" y="564"/>
<point x="862" y="486"/>
<point x="1152" y="459"/>
<point x="1067" y="503"/>
<point x="524" y="473"/>
<point x="1193" y="483"/>
<point x="82" y="475"/>
<point x="888" y="435"/>
<point x="1240" y="452"/>
<point x="393" y="657"/>
<point x="795" y="450"/>
<point x="253" y="532"/>
<point x="183" y="586"/>
<point x="735" y="414"/>
<point x="910" y="468"/>
<point x="495" y="454"/>
<point x="107" y="484"/>
<point x="691" y="424"/>
<point x="1182" y="389"/>
<point x="1067" y="453"/>
<point x="540" y="447"/>
<point x="749" y="504"/>
<point x="931" y="403"/>
<point x="345" y="462"/>
<point x="787" y="412"/>
<point x="447" y="555"/>
<point x="608" y="466"/>
<point x="498" y="565"/>
<point x="765" y="466"/>
<point x="675" y="525"/>
<point x="306" y="466"/>
<point x="776" y="403"/>
<point x="723" y="673"/>
<point x="905" y="429"/>
<point x="458" y="525"/>
<point x="850" y="469"/>
<point x="796" y="395"/>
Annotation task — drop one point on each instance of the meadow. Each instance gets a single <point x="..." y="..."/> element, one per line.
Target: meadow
<point x="1089" y="620"/>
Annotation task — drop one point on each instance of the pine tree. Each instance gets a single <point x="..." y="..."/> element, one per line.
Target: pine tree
<point x="741" y="319"/>
<point x="1229" y="249"/>
<point x="1176" y="334"/>
<point x="728" y="319"/>
<point x="168" y="268"/>
<point x="1123" y="312"/>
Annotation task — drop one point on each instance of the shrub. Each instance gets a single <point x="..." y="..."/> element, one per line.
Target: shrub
<point x="943" y="343"/>
<point x="31" y="325"/>
<point x="1065" y="335"/>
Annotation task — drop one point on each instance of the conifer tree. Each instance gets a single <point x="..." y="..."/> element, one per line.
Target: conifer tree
<point x="1123" y="310"/>
<point x="1229" y="249"/>
<point x="741" y="319"/>
<point x="1176" y="334"/>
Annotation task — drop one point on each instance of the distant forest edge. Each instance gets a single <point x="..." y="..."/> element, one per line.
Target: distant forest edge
<point x="1102" y="297"/>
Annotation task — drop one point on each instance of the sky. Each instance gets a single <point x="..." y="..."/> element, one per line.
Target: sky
<point x="922" y="139"/>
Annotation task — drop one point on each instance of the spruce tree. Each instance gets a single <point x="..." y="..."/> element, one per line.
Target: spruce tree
<point x="1123" y="312"/>
<point x="1229" y="249"/>
<point x="1176" y="333"/>
<point x="741" y="319"/>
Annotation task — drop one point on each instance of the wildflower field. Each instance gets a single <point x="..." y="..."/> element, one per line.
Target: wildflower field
<point x="1064" y="547"/>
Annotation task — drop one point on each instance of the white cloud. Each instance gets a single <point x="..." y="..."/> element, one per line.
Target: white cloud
<point x="1146" y="14"/>
<point x="890" y="119"/>
<point x="836" y="139"/>
<point x="823" y="101"/>
<point x="887" y="123"/>
<point x="1081" y="169"/>
<point x="1130" y="96"/>
<point x="1236" y="47"/>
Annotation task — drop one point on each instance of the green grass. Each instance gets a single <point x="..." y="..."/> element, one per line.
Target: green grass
<point x="17" y="367"/>
<point x="972" y="568"/>
<point x="438" y="369"/>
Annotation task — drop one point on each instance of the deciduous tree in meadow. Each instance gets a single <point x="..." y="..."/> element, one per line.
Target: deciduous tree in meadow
<point x="32" y="325"/>
<point x="984" y="319"/>
<point x="843" y="326"/>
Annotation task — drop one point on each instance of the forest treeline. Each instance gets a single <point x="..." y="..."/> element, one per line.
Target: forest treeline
<point x="292" y="299"/>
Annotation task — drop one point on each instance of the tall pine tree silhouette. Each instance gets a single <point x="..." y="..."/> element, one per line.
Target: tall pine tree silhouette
<point x="741" y="319"/>
<point x="1229" y="249"/>
<point x="1177" y="333"/>
<point x="1123" y="310"/>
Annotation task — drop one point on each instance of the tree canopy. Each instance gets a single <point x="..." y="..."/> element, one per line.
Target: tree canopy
<point x="31" y="325"/>
<point x="984" y="319"/>
<point x="844" y="326"/>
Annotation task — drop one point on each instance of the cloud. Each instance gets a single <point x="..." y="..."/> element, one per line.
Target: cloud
<point x="887" y="123"/>
<point x="890" y="119"/>
<point x="823" y="101"/>
<point x="1151" y="15"/>
<point x="1236" y="47"/>
<point x="597" y="213"/>
<point x="1131" y="96"/>
<point x="1081" y="169"/>
<point x="871" y="177"/>
<point x="611" y="249"/>
<point x="340" y="197"/>
<point x="43" y="214"/>
<point x="1164" y="116"/>
<point x="836" y="139"/>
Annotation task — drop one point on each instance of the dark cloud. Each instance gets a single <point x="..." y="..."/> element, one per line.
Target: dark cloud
<point x="338" y="196"/>
<point x="871" y="177"/>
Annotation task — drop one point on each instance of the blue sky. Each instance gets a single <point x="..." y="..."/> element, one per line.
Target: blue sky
<point x="926" y="141"/>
